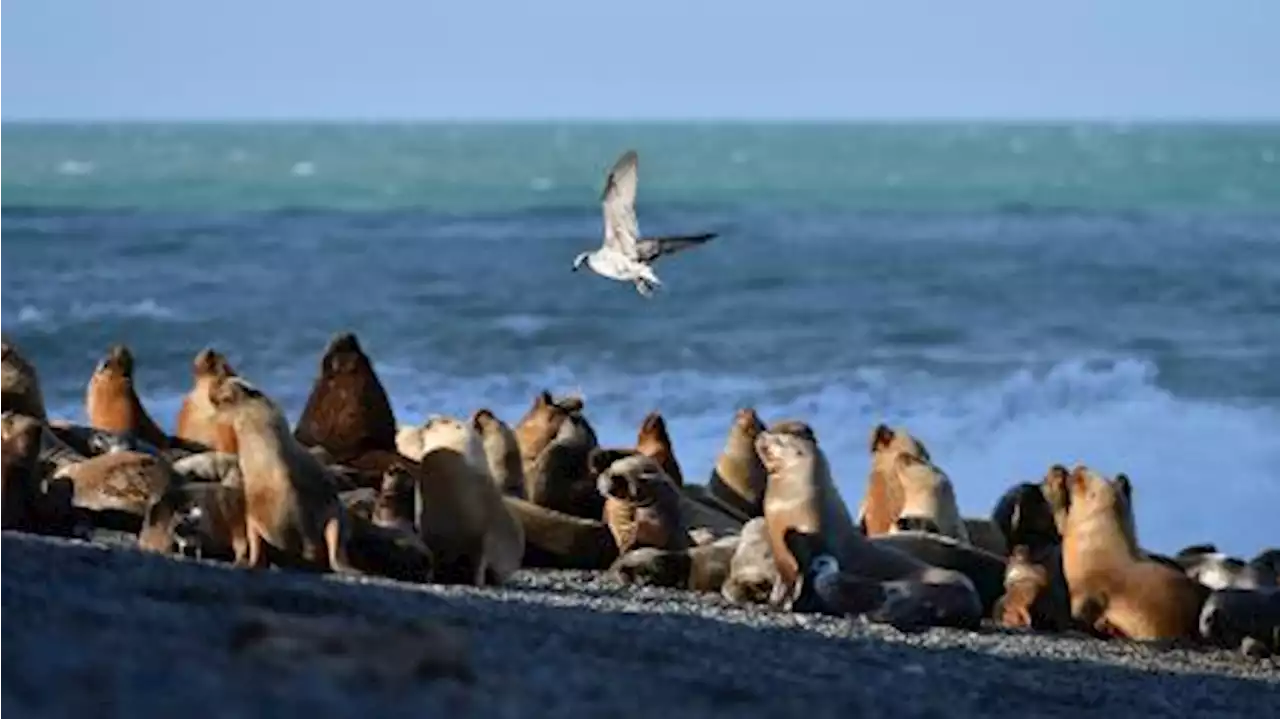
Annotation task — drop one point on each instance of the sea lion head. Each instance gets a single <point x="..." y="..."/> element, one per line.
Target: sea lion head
<point x="636" y="480"/>
<point x="343" y="355"/>
<point x="484" y="420"/>
<point x="539" y="426"/>
<point x="211" y="363"/>
<point x="117" y="362"/>
<point x="1089" y="494"/>
<point x="652" y="567"/>
<point x="1025" y="513"/>
<point x="747" y="421"/>
<point x="887" y="439"/>
<point x="229" y="393"/>
<point x="786" y="444"/>
<point x="654" y="426"/>
<point x="396" y="496"/>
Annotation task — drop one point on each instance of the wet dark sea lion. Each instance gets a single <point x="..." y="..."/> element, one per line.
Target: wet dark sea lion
<point x="348" y="411"/>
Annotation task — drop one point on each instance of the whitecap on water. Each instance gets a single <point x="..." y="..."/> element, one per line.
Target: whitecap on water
<point x="541" y="184"/>
<point x="75" y="168"/>
<point x="303" y="169"/>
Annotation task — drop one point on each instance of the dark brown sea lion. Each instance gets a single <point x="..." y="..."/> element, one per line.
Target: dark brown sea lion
<point x="985" y="570"/>
<point x="197" y="420"/>
<point x="19" y="383"/>
<point x="1244" y="619"/>
<point x="111" y="400"/>
<point x="348" y="412"/>
<point x="562" y="478"/>
<point x="20" y="474"/>
<point x="653" y="441"/>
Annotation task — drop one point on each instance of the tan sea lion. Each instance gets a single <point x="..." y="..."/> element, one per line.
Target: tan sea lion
<point x="209" y="467"/>
<point x="291" y="504"/>
<point x="556" y="540"/>
<point x="125" y="482"/>
<point x="502" y="450"/>
<point x="348" y="412"/>
<point x="642" y="505"/>
<point x="1114" y="587"/>
<point x="203" y="519"/>
<point x="739" y="478"/>
<point x="197" y="421"/>
<point x="882" y="504"/>
<point x="654" y="441"/>
<point x="111" y="400"/>
<point x="698" y="569"/>
<point x="752" y="572"/>
<point x="19" y="383"/>
<point x="928" y="499"/>
<point x="1244" y="619"/>
<point x="540" y="425"/>
<point x="815" y="544"/>
<point x="562" y="478"/>
<point x="443" y="431"/>
<point x="19" y="470"/>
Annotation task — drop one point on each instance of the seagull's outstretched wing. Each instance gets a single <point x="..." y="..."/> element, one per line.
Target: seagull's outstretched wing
<point x="621" y="231"/>
<point x="651" y="248"/>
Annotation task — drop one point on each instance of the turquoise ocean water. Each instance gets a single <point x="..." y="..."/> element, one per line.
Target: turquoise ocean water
<point x="1017" y="295"/>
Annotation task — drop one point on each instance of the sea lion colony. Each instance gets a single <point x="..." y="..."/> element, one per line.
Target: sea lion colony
<point x="348" y="489"/>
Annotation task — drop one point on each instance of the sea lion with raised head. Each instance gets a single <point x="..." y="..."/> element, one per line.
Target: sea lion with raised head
<point x="1030" y="514"/>
<point x="752" y="572"/>
<point x="348" y="412"/>
<point x="19" y="382"/>
<point x="291" y="504"/>
<point x="562" y="478"/>
<point x="112" y="403"/>
<point x="1115" y="588"/>
<point x="197" y="420"/>
<point x="738" y="479"/>
<point x="653" y="441"/>
<point x="642" y="505"/>
<point x="928" y="499"/>
<point x="539" y="426"/>
<point x="884" y="498"/>
<point x="19" y="470"/>
<point x="815" y="544"/>
<point x="502" y="451"/>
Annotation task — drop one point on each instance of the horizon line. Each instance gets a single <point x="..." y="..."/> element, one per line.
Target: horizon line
<point x="655" y="120"/>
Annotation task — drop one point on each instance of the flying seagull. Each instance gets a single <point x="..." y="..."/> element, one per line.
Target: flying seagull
<point x="625" y="256"/>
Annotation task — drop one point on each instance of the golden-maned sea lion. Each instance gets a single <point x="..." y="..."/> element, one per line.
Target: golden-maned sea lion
<point x="1114" y="587"/>
<point x="112" y="403"/>
<point x="197" y="421"/>
<point x="19" y="383"/>
<point x="814" y="543"/>
<point x="653" y="441"/>
<point x="291" y="504"/>
<point x="928" y="499"/>
<point x="502" y="451"/>
<point x="348" y="412"/>
<point x="884" y="499"/>
<point x="642" y="505"/>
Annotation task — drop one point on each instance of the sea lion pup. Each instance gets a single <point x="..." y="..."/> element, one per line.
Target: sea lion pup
<point x="641" y="505"/>
<point x="1215" y="570"/>
<point x="555" y="540"/>
<point x="19" y="470"/>
<point x="738" y="479"/>
<point x="884" y="499"/>
<point x="111" y="400"/>
<point x="562" y="478"/>
<point x="1114" y="588"/>
<point x="197" y="421"/>
<point x="654" y="441"/>
<point x="752" y="572"/>
<point x="540" y="425"/>
<point x="928" y="499"/>
<point x="19" y="383"/>
<point x="985" y="570"/>
<point x="698" y="569"/>
<point x="202" y="519"/>
<point x="1244" y="619"/>
<point x="808" y="521"/>
<point x="291" y="505"/>
<point x="462" y="517"/>
<point x="348" y="412"/>
<point x="502" y="451"/>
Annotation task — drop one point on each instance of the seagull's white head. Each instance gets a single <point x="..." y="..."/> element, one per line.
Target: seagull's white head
<point x="581" y="258"/>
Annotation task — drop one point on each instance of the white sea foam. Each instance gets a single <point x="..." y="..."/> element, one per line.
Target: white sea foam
<point x="1202" y="471"/>
<point x="75" y="168"/>
<point x="48" y="318"/>
<point x="303" y="169"/>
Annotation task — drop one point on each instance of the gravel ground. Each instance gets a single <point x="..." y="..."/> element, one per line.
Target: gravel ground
<point x="91" y="630"/>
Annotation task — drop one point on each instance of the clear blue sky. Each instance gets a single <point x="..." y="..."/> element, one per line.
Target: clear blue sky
<point x="371" y="59"/>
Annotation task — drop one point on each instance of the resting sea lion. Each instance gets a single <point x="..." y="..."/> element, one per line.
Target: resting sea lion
<point x="884" y="499"/>
<point x="985" y="570"/>
<point x="204" y="519"/>
<point x="739" y="478"/>
<point x="119" y="482"/>
<point x="1114" y="588"/>
<point x="1245" y="619"/>
<point x="808" y="521"/>
<point x="557" y="540"/>
<point x="653" y="441"/>
<point x="291" y="504"/>
<point x="197" y="420"/>
<point x="111" y="400"/>
<point x="209" y="467"/>
<point x="348" y="412"/>
<point x="19" y="383"/>
<point x="1215" y="570"/>
<point x="20" y="474"/>
<point x="642" y="505"/>
<point x="698" y="569"/>
<point x="502" y="451"/>
<point x="752" y="572"/>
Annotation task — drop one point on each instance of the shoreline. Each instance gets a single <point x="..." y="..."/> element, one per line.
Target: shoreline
<point x="135" y="632"/>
